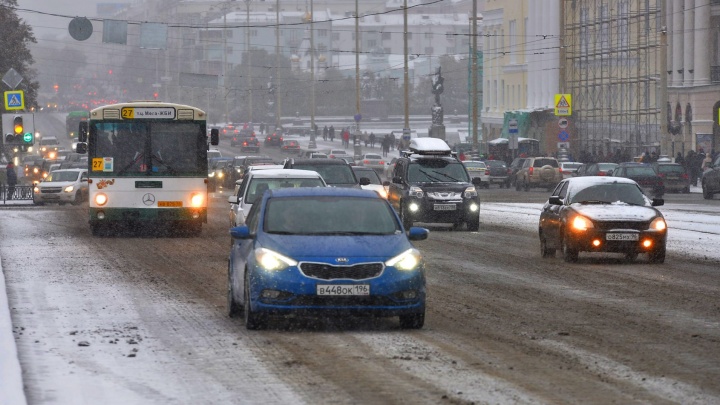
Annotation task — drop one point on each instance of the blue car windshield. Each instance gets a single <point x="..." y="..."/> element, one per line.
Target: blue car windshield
<point x="322" y="215"/>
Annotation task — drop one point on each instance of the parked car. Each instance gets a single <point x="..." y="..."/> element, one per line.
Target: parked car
<point x="674" y="176"/>
<point x="569" y="169"/>
<point x="62" y="186"/>
<point x="431" y="185"/>
<point x="478" y="169"/>
<point x="335" y="172"/>
<point x="644" y="174"/>
<point x="538" y="172"/>
<point x="602" y="214"/>
<point x="325" y="251"/>
<point x="499" y="173"/>
<point x="375" y="184"/>
<point x="256" y="182"/>
<point x="374" y="161"/>
<point x="711" y="180"/>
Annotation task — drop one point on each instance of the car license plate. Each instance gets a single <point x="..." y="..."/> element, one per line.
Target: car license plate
<point x="622" y="236"/>
<point x="170" y="204"/>
<point x="444" y="207"/>
<point x="343" y="289"/>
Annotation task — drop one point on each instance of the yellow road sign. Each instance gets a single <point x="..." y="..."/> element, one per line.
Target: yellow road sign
<point x="14" y="100"/>
<point x="563" y="104"/>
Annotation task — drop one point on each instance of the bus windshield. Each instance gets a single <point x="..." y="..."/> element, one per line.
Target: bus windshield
<point x="148" y="148"/>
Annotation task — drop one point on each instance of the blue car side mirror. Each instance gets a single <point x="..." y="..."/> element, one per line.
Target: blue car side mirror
<point x="240" y="232"/>
<point x="417" y="233"/>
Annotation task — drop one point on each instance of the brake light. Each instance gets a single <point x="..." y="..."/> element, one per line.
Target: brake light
<point x="530" y="170"/>
<point x="381" y="162"/>
<point x="487" y="172"/>
<point x="366" y="161"/>
<point x="685" y="176"/>
<point x="332" y="156"/>
<point x="602" y="174"/>
<point x="245" y="143"/>
<point x="661" y="175"/>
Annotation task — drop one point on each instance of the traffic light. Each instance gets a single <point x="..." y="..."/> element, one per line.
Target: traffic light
<point x="18" y="125"/>
<point x="28" y="138"/>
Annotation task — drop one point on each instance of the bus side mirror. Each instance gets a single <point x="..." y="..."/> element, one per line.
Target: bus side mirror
<point x="214" y="136"/>
<point x="83" y="131"/>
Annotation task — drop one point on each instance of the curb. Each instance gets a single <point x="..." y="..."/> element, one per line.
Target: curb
<point x="11" y="390"/>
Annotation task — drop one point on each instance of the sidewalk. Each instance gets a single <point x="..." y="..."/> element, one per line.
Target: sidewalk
<point x="11" y="384"/>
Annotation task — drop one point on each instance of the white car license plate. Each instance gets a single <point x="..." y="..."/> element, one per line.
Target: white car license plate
<point x="343" y="289"/>
<point x="444" y="207"/>
<point x="622" y="236"/>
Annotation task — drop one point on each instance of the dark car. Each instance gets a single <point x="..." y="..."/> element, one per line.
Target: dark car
<point x="711" y="180"/>
<point x="645" y="176"/>
<point x="250" y="144"/>
<point x="273" y="139"/>
<point x="429" y="184"/>
<point x="236" y="169"/>
<point x="602" y="214"/>
<point x="499" y="173"/>
<point x="325" y="251"/>
<point x="674" y="175"/>
<point x="290" y="146"/>
<point x="514" y="167"/>
<point x="335" y="172"/>
<point x="596" y="169"/>
<point x="216" y="172"/>
<point x="238" y="136"/>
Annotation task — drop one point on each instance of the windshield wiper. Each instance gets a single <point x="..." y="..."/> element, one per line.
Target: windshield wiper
<point x="594" y="202"/>
<point x="159" y="160"/>
<point x="428" y="175"/>
<point x="446" y="175"/>
<point x="131" y="164"/>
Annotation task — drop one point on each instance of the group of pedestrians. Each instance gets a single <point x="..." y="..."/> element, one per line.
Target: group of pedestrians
<point x="696" y="163"/>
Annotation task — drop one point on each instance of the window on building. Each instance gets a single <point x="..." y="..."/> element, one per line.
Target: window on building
<point x="513" y="41"/>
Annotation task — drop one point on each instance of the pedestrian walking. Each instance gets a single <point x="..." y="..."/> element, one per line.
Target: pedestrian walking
<point x="392" y="141"/>
<point x="11" y="179"/>
<point x="385" y="145"/>
<point x="325" y="133"/>
<point x="372" y="140"/>
<point x="331" y="133"/>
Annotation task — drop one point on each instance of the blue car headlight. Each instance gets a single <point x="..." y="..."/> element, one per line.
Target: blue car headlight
<point x="407" y="261"/>
<point x="272" y="261"/>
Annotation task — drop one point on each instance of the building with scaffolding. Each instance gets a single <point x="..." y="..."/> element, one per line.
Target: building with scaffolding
<point x="611" y="61"/>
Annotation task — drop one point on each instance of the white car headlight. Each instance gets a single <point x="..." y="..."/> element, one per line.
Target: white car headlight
<point x="406" y="261"/>
<point x="272" y="261"/>
<point x="69" y="189"/>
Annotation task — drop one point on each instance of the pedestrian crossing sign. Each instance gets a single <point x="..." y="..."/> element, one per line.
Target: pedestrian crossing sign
<point x="14" y="100"/>
<point x="563" y="104"/>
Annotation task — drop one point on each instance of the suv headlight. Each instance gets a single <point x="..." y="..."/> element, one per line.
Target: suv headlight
<point x="470" y="192"/>
<point x="69" y="189"/>
<point x="416" y="192"/>
<point x="658" y="224"/>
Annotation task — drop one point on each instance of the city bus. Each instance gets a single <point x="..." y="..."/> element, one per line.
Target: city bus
<point x="499" y="149"/>
<point x="147" y="164"/>
<point x="72" y="122"/>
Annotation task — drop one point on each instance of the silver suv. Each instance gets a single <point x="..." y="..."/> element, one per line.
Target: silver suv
<point x="538" y="172"/>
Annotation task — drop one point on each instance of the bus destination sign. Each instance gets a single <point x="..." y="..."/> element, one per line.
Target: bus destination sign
<point x="135" y="113"/>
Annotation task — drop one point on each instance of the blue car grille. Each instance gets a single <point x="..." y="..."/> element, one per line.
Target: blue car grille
<point x="354" y="301"/>
<point x="326" y="271"/>
<point x="607" y="225"/>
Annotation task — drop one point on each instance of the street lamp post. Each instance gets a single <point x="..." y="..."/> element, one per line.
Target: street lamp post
<point x="357" y="68"/>
<point x="406" y="80"/>
<point x="249" y="61"/>
<point x="277" y="66"/>
<point x="312" y="70"/>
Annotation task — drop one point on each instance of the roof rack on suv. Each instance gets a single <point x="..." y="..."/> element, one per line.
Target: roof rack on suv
<point x="428" y="147"/>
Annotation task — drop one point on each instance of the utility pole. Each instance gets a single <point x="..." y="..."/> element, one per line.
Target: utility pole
<point x="312" y="71"/>
<point x="406" y="79"/>
<point x="667" y="143"/>
<point x="224" y="66"/>
<point x="278" y="110"/>
<point x="357" y="68"/>
<point x="249" y="61"/>
<point x="476" y="146"/>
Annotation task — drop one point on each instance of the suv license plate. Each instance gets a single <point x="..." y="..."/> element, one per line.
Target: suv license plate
<point x="343" y="289"/>
<point x="444" y="207"/>
<point x="622" y="236"/>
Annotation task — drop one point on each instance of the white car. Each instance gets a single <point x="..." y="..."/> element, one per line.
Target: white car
<point x="337" y="153"/>
<point x="375" y="185"/>
<point x="62" y="186"/>
<point x="256" y="182"/>
<point x="374" y="161"/>
<point x="478" y="169"/>
<point x="568" y="169"/>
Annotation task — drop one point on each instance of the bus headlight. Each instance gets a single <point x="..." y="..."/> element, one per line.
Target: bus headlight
<point x="101" y="199"/>
<point x="197" y="200"/>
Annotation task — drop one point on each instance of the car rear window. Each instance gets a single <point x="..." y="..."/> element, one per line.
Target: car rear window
<point x="544" y="162"/>
<point x="332" y="174"/>
<point x="670" y="169"/>
<point x="640" y="171"/>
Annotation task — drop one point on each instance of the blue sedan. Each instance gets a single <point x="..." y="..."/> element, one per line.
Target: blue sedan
<point x="325" y="251"/>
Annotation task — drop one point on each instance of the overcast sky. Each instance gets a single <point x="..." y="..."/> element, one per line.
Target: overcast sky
<point x="52" y="26"/>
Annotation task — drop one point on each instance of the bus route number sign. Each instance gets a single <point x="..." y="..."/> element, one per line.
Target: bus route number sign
<point x="134" y="113"/>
